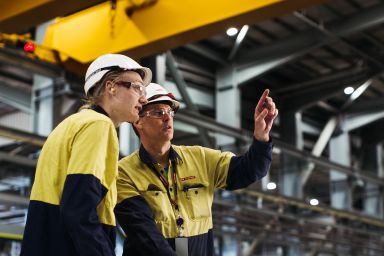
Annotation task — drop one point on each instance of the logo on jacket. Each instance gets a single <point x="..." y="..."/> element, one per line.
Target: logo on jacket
<point x="188" y="178"/>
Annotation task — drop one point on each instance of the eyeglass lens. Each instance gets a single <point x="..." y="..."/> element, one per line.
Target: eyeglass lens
<point x="160" y="113"/>
<point x="139" y="88"/>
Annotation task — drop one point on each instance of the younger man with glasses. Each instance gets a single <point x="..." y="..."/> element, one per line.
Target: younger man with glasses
<point x="165" y="192"/>
<point x="71" y="206"/>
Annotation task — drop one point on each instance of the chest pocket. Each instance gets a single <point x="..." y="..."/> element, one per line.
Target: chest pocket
<point x="197" y="201"/>
<point x="159" y="203"/>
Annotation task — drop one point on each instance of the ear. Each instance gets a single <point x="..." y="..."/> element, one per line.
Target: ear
<point x="110" y="88"/>
<point x="138" y="124"/>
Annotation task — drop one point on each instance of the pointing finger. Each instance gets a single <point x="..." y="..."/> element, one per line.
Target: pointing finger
<point x="260" y="104"/>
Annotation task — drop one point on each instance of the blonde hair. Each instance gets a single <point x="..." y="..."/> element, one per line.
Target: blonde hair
<point x="95" y="94"/>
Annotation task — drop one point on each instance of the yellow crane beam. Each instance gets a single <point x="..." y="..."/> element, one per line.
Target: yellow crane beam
<point x="20" y="15"/>
<point x="156" y="27"/>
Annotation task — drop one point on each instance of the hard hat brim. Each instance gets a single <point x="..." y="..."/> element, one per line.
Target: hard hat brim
<point x="97" y="77"/>
<point x="174" y="103"/>
<point x="147" y="75"/>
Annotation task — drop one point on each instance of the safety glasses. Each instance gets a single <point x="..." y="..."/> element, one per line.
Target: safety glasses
<point x="158" y="113"/>
<point x="139" y="88"/>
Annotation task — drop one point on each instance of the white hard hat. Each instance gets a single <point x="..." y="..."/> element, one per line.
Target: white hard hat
<point x="156" y="92"/>
<point x="108" y="62"/>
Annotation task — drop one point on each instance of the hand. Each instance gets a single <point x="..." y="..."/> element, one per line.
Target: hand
<point x="265" y="113"/>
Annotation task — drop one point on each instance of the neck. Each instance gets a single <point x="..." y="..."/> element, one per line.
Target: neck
<point x="110" y="113"/>
<point x="159" y="152"/>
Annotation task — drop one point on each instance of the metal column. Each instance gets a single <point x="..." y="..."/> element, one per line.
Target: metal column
<point x="373" y="195"/>
<point x="292" y="166"/>
<point x="228" y="106"/>
<point x="339" y="151"/>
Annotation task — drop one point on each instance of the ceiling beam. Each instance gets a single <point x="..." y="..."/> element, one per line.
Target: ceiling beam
<point x="265" y="58"/>
<point x="22" y="136"/>
<point x="153" y="29"/>
<point x="34" y="66"/>
<point x="367" y="106"/>
<point x="207" y="53"/>
<point x="304" y="99"/>
<point x="22" y="15"/>
<point x="11" y="199"/>
<point x="352" y="122"/>
<point x="13" y="96"/>
<point x="20" y="60"/>
<point x="347" y="77"/>
<point x="16" y="159"/>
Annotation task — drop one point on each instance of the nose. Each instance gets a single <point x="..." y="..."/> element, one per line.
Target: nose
<point x="166" y="116"/>
<point x="143" y="100"/>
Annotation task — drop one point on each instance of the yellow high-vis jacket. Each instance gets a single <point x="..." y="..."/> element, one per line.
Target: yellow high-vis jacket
<point x="74" y="191"/>
<point x="150" y="210"/>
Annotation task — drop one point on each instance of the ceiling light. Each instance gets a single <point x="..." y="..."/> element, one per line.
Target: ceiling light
<point x="349" y="90"/>
<point x="242" y="33"/>
<point x="271" y="186"/>
<point x="314" y="201"/>
<point x="360" y="90"/>
<point x="232" y="31"/>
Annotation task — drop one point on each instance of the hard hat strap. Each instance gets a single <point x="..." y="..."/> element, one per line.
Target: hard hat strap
<point x="101" y="69"/>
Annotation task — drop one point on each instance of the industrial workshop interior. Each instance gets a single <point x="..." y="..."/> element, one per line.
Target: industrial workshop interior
<point x="323" y="62"/>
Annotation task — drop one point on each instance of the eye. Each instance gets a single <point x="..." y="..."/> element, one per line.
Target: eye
<point x="159" y="113"/>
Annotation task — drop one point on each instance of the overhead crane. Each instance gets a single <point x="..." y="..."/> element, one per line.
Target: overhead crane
<point x="140" y="28"/>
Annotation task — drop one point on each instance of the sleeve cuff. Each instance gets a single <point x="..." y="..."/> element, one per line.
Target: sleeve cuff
<point x="262" y="146"/>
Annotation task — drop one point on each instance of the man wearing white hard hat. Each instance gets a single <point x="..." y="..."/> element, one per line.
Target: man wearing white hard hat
<point x="165" y="192"/>
<point x="74" y="191"/>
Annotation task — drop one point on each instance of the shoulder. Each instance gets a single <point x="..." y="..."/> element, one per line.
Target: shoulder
<point x="91" y="127"/>
<point x="89" y="118"/>
<point x="201" y="152"/>
<point x="126" y="163"/>
<point x="193" y="149"/>
<point x="184" y="151"/>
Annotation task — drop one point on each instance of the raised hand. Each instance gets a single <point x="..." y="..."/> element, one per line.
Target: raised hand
<point x="265" y="113"/>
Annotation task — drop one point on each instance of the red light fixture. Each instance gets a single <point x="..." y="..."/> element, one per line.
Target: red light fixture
<point x="29" y="47"/>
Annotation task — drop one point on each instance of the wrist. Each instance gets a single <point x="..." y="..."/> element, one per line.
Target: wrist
<point x="261" y="138"/>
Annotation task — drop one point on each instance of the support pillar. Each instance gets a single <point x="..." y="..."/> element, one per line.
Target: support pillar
<point x="373" y="195"/>
<point x="341" y="191"/>
<point x="228" y="108"/>
<point x="42" y="95"/>
<point x="292" y="166"/>
<point x="42" y="105"/>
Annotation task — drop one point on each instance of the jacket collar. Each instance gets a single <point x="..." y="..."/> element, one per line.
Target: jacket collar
<point x="146" y="158"/>
<point x="100" y="110"/>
